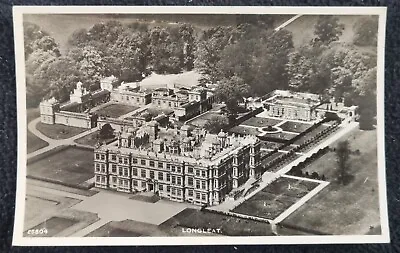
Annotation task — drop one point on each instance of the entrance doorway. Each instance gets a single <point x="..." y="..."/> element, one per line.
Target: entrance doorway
<point x="150" y="187"/>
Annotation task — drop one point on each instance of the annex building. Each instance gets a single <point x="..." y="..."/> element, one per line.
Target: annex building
<point x="304" y="106"/>
<point x="183" y="104"/>
<point x="184" y="164"/>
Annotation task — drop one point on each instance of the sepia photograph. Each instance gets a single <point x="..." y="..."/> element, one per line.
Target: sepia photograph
<point x="200" y="125"/>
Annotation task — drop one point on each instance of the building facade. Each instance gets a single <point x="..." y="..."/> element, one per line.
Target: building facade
<point x="179" y="164"/>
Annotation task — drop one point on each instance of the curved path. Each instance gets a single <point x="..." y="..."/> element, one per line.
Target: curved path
<point x="53" y="143"/>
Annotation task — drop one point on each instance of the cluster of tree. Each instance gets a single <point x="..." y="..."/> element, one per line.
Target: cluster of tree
<point x="333" y="69"/>
<point x="129" y="52"/>
<point x="106" y="132"/>
<point x="243" y="60"/>
<point x="365" y="31"/>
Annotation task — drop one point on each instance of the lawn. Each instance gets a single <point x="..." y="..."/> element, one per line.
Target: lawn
<point x="231" y="226"/>
<point x="242" y="130"/>
<point x="295" y="127"/>
<point x="92" y="139"/>
<point x="59" y="132"/>
<point x="275" y="198"/>
<point x="202" y="119"/>
<point x="345" y="209"/>
<point x="32" y="141"/>
<point x="70" y="166"/>
<point x="54" y="225"/>
<point x="115" y="110"/>
<point x="261" y="122"/>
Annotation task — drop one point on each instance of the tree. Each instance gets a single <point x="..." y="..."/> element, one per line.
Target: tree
<point x="328" y="29"/>
<point x="209" y="48"/>
<point x="216" y="123"/>
<point x="232" y="91"/>
<point x="130" y="57"/>
<point x="35" y="38"/>
<point x="365" y="31"/>
<point x="186" y="32"/>
<point x="341" y="81"/>
<point x="343" y="155"/>
<point x="106" y="132"/>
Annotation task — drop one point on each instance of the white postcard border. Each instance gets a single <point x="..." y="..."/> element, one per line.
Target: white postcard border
<point x="19" y="240"/>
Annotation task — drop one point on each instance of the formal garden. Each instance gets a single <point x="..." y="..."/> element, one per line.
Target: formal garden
<point x="275" y="198"/>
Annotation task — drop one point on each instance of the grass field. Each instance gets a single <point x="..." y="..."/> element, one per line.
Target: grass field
<point x="275" y="198"/>
<point x="54" y="225"/>
<point x="261" y="122"/>
<point x="295" y="127"/>
<point x="244" y="130"/>
<point x="115" y="110"/>
<point x="59" y="132"/>
<point x="350" y="208"/>
<point x="32" y="141"/>
<point x="71" y="166"/>
<point x="201" y="120"/>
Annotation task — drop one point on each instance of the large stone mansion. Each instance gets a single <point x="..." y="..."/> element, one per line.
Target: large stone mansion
<point x="184" y="164"/>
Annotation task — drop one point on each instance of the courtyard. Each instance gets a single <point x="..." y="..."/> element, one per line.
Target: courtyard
<point x="115" y="110"/>
<point x="59" y="132"/>
<point x="66" y="165"/>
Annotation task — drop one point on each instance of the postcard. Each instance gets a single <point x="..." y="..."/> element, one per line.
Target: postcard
<point x="200" y="125"/>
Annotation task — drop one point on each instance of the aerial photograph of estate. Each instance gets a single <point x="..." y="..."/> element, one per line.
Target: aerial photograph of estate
<point x="169" y="125"/>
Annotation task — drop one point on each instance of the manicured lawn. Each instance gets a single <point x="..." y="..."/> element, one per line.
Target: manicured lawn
<point x="242" y="130"/>
<point x="261" y="122"/>
<point x="91" y="139"/>
<point x="232" y="226"/>
<point x="295" y="127"/>
<point x="275" y="198"/>
<point x="115" y="110"/>
<point x="201" y="120"/>
<point x="71" y="166"/>
<point x="54" y="225"/>
<point x="59" y="132"/>
<point x="350" y="208"/>
<point x="33" y="143"/>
